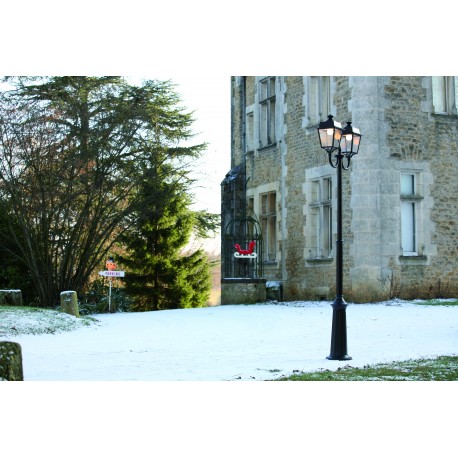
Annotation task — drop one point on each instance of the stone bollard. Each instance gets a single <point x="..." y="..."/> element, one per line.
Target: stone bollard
<point x="11" y="362"/>
<point x="69" y="303"/>
<point x="10" y="297"/>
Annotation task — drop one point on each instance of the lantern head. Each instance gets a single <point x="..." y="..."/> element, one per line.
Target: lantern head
<point x="330" y="134"/>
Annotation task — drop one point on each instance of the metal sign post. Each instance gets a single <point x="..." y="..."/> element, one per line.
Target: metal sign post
<point x="109" y="297"/>
<point x="110" y="274"/>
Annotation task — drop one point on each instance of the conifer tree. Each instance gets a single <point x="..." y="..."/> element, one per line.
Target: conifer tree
<point x="159" y="275"/>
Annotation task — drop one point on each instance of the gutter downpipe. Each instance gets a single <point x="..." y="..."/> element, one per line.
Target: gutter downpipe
<point x="243" y="125"/>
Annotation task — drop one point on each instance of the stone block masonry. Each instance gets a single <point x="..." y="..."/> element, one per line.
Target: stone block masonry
<point x="242" y="291"/>
<point x="69" y="303"/>
<point x="11" y="362"/>
<point x="10" y="297"/>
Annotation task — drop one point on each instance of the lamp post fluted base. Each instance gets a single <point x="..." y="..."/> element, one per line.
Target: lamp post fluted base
<point x="339" y="331"/>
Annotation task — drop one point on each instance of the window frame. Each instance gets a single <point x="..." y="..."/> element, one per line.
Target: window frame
<point x="410" y="209"/>
<point x="446" y="89"/>
<point x="324" y="97"/>
<point x="319" y="99"/>
<point x="268" y="221"/>
<point x="267" y="108"/>
<point x="249" y="122"/>
<point x="321" y="213"/>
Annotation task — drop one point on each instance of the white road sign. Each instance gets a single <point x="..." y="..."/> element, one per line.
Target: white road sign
<point x="112" y="273"/>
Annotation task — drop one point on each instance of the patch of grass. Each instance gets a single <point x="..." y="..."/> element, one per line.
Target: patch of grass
<point x="16" y="320"/>
<point x="443" y="368"/>
<point x="443" y="302"/>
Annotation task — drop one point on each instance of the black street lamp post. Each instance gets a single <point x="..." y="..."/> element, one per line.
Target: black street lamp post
<point x="344" y="143"/>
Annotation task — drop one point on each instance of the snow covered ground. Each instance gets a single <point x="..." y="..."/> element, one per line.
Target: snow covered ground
<point x="236" y="342"/>
<point x="241" y="417"/>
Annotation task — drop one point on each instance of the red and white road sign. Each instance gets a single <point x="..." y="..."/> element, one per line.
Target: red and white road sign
<point x="112" y="273"/>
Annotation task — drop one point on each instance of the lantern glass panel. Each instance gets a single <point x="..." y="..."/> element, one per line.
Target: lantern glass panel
<point x="337" y="138"/>
<point x="355" y="144"/>
<point x="346" y="143"/>
<point x="326" y="137"/>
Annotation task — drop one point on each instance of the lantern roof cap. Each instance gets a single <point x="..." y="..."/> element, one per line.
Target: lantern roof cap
<point x="349" y="129"/>
<point x="330" y="123"/>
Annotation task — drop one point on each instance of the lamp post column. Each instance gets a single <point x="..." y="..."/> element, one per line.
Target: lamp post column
<point x="339" y="306"/>
<point x="345" y="144"/>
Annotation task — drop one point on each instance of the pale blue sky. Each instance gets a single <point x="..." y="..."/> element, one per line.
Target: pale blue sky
<point x="208" y="96"/>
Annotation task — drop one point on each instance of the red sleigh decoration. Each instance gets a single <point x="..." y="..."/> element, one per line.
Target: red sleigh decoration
<point x="245" y="253"/>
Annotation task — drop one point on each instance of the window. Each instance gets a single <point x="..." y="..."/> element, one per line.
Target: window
<point x="250" y="131"/>
<point x="409" y="210"/>
<point x="321" y="218"/>
<point x="319" y="98"/>
<point x="268" y="217"/>
<point x="324" y="97"/>
<point x="445" y="94"/>
<point x="250" y="204"/>
<point x="267" y="111"/>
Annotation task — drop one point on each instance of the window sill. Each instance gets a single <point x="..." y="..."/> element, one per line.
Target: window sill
<point x="267" y="148"/>
<point x="444" y="113"/>
<point x="270" y="266"/>
<point x="445" y="117"/>
<point x="311" y="128"/>
<point x="413" y="259"/>
<point x="320" y="260"/>
<point x="411" y="197"/>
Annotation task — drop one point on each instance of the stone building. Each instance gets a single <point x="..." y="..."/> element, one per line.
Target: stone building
<point x="400" y="208"/>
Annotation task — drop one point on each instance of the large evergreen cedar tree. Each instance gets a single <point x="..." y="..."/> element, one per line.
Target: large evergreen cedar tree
<point x="77" y="154"/>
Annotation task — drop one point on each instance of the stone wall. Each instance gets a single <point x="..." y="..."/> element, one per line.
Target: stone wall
<point x="10" y="297"/>
<point x="400" y="133"/>
<point x="429" y="144"/>
<point x="241" y="291"/>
